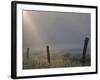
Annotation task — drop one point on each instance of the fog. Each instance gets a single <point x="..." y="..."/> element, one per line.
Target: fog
<point x="55" y="28"/>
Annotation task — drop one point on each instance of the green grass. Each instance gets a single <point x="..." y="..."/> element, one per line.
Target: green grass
<point x="39" y="60"/>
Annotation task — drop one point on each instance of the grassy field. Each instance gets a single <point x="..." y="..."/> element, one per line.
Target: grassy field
<point x="38" y="60"/>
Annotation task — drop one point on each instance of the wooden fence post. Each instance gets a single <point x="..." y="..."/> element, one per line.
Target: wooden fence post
<point x="48" y="54"/>
<point x="84" y="51"/>
<point x="27" y="53"/>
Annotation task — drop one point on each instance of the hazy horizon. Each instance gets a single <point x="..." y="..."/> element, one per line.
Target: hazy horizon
<point x="55" y="29"/>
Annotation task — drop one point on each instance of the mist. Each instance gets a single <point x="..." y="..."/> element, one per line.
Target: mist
<point x="59" y="29"/>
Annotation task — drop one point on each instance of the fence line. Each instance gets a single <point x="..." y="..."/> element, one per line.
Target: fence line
<point x="48" y="52"/>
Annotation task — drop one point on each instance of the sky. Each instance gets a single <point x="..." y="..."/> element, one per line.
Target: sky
<point x="41" y="28"/>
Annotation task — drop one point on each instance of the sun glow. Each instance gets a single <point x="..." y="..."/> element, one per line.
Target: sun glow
<point x="31" y="28"/>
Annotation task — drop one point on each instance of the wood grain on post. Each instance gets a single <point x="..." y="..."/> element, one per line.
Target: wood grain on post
<point x="84" y="51"/>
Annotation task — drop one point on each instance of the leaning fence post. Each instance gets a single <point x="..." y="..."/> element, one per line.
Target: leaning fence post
<point x="48" y="54"/>
<point x="27" y="53"/>
<point x="84" y="51"/>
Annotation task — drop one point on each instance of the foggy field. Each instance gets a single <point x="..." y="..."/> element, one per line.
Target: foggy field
<point x="38" y="59"/>
<point x="60" y="31"/>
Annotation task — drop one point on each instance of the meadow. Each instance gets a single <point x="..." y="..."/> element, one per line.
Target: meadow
<point x="68" y="58"/>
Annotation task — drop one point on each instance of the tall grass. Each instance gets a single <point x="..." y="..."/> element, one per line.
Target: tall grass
<point x="39" y="60"/>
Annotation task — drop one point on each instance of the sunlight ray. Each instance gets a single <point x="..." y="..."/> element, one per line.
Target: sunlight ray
<point x="32" y="28"/>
